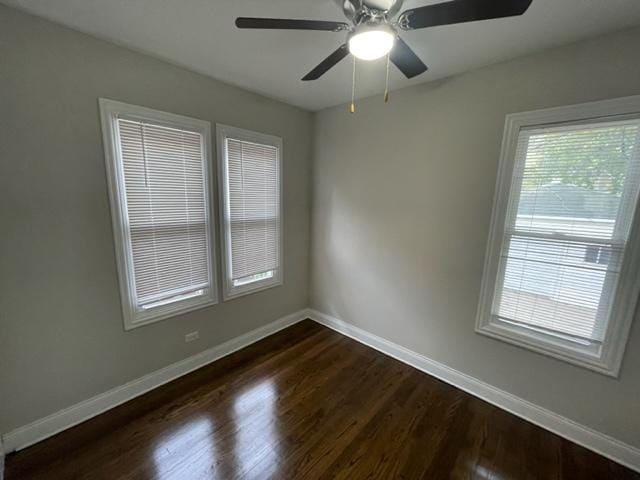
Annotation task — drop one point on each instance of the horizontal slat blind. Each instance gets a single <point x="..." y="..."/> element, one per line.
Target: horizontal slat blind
<point x="165" y="197"/>
<point x="569" y="214"/>
<point x="254" y="207"/>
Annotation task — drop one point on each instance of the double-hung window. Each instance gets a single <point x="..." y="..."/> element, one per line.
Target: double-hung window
<point x="250" y="169"/>
<point x="159" y="185"/>
<point x="563" y="260"/>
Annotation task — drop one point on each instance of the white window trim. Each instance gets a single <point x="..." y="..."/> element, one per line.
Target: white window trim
<point x="223" y="132"/>
<point x="609" y="357"/>
<point x="110" y="110"/>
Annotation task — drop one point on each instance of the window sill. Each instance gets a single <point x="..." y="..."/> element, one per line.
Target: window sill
<point x="135" y="319"/>
<point x="235" y="292"/>
<point x="589" y="357"/>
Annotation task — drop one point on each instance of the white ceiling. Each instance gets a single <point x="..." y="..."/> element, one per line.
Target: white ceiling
<point x="200" y="35"/>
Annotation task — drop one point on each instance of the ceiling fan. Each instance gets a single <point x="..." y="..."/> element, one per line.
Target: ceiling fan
<point x="373" y="32"/>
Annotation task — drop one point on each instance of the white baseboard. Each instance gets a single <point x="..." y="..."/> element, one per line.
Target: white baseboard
<point x="40" y="429"/>
<point x="598" y="442"/>
<point x="602" y="444"/>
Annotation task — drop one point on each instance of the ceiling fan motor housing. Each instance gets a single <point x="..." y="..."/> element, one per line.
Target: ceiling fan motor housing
<point x="359" y="11"/>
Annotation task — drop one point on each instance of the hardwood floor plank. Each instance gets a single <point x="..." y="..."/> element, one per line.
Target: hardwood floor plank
<point x="350" y="409"/>
<point x="308" y="403"/>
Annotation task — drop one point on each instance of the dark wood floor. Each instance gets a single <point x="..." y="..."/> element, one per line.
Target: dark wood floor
<point x="308" y="403"/>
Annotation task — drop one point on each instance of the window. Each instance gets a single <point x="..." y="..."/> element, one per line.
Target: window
<point x="562" y="265"/>
<point x="159" y="186"/>
<point x="250" y="182"/>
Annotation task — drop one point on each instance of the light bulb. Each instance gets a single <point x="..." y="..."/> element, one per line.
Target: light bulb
<point x="369" y="43"/>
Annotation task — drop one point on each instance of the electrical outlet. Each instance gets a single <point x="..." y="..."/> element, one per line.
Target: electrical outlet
<point x="190" y="337"/>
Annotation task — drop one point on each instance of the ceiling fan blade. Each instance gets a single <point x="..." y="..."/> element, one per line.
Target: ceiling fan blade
<point x="406" y="60"/>
<point x="289" y="24"/>
<point x="459" y="11"/>
<point x="327" y="63"/>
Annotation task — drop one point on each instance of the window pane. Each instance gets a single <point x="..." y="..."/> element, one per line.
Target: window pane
<point x="548" y="283"/>
<point x="165" y="194"/>
<point x="573" y="179"/>
<point x="254" y="208"/>
<point x="569" y="216"/>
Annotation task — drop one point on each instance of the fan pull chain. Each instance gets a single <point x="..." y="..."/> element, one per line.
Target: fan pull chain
<point x="352" y="107"/>
<point x="386" y="83"/>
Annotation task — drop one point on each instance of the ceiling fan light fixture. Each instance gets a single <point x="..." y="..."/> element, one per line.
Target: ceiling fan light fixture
<point x="373" y="25"/>
<point x="371" y="42"/>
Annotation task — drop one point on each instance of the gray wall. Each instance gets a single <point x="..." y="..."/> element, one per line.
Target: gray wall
<point x="402" y="197"/>
<point x="61" y="333"/>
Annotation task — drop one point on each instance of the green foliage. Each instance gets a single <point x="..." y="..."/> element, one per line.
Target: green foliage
<point x="593" y="158"/>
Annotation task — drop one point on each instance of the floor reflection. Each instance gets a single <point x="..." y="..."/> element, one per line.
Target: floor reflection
<point x="485" y="473"/>
<point x="256" y="441"/>
<point x="186" y="452"/>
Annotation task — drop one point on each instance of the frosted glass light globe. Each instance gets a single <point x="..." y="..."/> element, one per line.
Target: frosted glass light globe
<point x="370" y="43"/>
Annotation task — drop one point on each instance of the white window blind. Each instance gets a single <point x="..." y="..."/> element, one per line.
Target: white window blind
<point x="252" y="225"/>
<point x="574" y="191"/>
<point x="165" y="194"/>
<point x="161" y="201"/>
